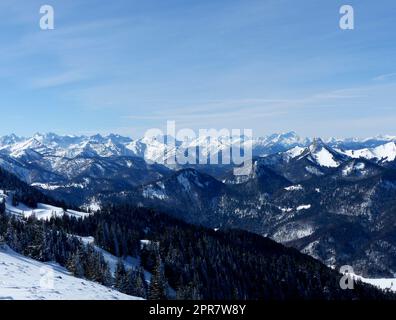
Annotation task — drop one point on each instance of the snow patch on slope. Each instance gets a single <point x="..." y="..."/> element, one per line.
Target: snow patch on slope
<point x="357" y="168"/>
<point x="385" y="152"/>
<point x="385" y="284"/>
<point x="42" y="212"/>
<point x="152" y="193"/>
<point x="292" y="232"/>
<point x="295" y="152"/>
<point x="294" y="188"/>
<point x="21" y="278"/>
<point x="325" y="159"/>
<point x="303" y="207"/>
<point x="112" y="261"/>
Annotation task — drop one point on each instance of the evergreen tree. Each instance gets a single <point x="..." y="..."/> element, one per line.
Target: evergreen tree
<point x="107" y="279"/>
<point x="3" y="222"/>
<point x="157" y="286"/>
<point x="75" y="264"/>
<point x="140" y="286"/>
<point x="104" y="274"/>
<point x="12" y="235"/>
<point x="136" y="283"/>
<point x="121" y="277"/>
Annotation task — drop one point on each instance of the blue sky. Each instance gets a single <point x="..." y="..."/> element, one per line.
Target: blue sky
<point x="124" y="66"/>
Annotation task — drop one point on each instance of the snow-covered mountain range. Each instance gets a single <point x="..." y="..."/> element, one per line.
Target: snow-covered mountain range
<point x="115" y="163"/>
<point x="333" y="203"/>
<point x="301" y="191"/>
<point x="151" y="149"/>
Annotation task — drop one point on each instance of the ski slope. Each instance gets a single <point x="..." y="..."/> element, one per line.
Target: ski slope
<point x="22" y="278"/>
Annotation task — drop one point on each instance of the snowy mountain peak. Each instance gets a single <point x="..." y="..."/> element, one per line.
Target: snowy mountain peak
<point x="9" y="140"/>
<point x="295" y="152"/>
<point x="316" y="145"/>
<point x="158" y="149"/>
<point x="321" y="154"/>
<point x="288" y="138"/>
<point x="31" y="146"/>
<point x="384" y="153"/>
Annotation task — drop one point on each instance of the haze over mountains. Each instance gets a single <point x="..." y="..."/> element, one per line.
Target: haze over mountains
<point x="333" y="199"/>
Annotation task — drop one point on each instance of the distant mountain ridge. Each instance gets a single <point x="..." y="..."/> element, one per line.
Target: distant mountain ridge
<point x="151" y="148"/>
<point x="333" y="199"/>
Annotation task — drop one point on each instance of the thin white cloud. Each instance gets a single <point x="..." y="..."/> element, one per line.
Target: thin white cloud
<point x="65" y="78"/>
<point x="385" y="76"/>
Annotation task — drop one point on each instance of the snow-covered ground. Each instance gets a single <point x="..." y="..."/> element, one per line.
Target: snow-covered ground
<point x="380" y="283"/>
<point x="42" y="212"/>
<point x="324" y="158"/>
<point x="22" y="278"/>
<point x="303" y="207"/>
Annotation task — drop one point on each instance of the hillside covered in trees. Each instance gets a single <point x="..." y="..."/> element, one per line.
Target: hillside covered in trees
<point x="185" y="261"/>
<point x="176" y="260"/>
